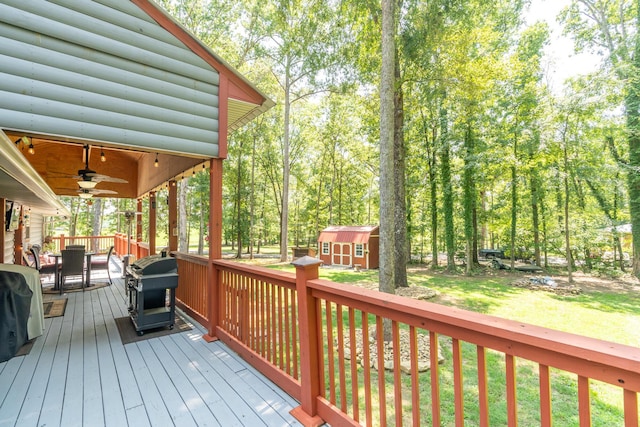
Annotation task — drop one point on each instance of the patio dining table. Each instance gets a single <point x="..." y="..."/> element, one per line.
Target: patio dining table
<point x="87" y="279"/>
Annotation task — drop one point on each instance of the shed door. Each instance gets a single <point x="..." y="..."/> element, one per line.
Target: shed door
<point x="341" y="254"/>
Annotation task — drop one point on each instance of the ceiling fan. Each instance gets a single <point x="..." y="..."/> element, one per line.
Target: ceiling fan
<point x="88" y="178"/>
<point x="87" y="193"/>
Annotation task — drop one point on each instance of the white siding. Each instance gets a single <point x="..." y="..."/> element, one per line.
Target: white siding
<point x="8" y="247"/>
<point x="36" y="227"/>
<point x="104" y="71"/>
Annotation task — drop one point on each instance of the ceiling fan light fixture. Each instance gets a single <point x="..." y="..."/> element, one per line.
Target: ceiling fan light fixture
<point x="86" y="195"/>
<point x="87" y="184"/>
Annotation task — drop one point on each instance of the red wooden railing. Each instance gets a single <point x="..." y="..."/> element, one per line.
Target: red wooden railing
<point x="136" y="249"/>
<point x="98" y="244"/>
<point x="301" y="332"/>
<point x="191" y="293"/>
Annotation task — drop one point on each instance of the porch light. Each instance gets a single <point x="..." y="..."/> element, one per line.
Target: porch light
<point x="102" y="156"/>
<point x="24" y="141"/>
<point x="155" y="164"/>
<point x="87" y="185"/>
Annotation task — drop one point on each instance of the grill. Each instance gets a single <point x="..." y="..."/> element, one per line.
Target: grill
<point x="149" y="282"/>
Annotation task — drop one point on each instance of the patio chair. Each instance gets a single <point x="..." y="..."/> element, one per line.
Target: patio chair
<point x="47" y="269"/>
<point x="72" y="265"/>
<point x="75" y="247"/>
<point x="102" y="263"/>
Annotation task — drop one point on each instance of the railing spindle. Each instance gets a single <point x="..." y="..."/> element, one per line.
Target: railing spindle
<point x="512" y="401"/>
<point x="366" y="364"/>
<point x="483" y="393"/>
<point x="397" y="372"/>
<point x="382" y="394"/>
<point x="294" y="332"/>
<point x="354" y="365"/>
<point x="415" y="383"/>
<point x="330" y="352"/>
<point x="458" y="387"/>
<point x="434" y="367"/>
<point x="341" y="367"/>
<point x="584" y="401"/>
<point x="545" y="396"/>
<point x="630" y="408"/>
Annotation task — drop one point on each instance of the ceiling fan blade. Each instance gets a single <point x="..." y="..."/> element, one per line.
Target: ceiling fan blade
<point x="95" y="191"/>
<point x="104" y="178"/>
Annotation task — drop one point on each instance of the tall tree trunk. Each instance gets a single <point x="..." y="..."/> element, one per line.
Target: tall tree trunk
<point x="535" y="216"/>
<point x="387" y="198"/>
<point x="544" y="233"/>
<point x="201" y="224"/>
<point x="239" y="204"/>
<point x="400" y="205"/>
<point x="469" y="197"/>
<point x="632" y="113"/>
<point x="514" y="202"/>
<point x="430" y="148"/>
<point x="284" y="216"/>
<point x="567" y="239"/>
<point x="433" y="190"/>
<point x="96" y="222"/>
<point x="252" y="201"/>
<point x="447" y="191"/>
<point x="183" y="231"/>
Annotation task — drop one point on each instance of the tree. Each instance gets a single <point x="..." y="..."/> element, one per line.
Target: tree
<point x="387" y="187"/>
<point x="298" y="40"/>
<point x="611" y="27"/>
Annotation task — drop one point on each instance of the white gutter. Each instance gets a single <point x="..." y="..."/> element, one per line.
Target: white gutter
<point x="19" y="182"/>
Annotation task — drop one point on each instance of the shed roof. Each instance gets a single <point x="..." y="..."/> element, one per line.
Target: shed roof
<point x="348" y="234"/>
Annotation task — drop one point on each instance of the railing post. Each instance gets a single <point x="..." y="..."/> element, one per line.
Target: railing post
<point x="213" y="275"/>
<point x="307" y="412"/>
<point x="215" y="245"/>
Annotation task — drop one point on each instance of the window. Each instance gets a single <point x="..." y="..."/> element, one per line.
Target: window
<point x="325" y="248"/>
<point x="359" y="250"/>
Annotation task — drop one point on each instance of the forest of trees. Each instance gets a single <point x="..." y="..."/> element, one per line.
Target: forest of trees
<point x="486" y="152"/>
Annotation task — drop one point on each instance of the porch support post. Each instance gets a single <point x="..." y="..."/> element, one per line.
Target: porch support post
<point x="307" y="412"/>
<point x="3" y="227"/>
<point x="173" y="215"/>
<point x="138" y="227"/>
<point x="18" y="242"/>
<point x="152" y="223"/>
<point x="215" y="245"/>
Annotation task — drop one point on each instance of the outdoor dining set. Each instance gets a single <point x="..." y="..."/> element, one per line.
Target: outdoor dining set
<point x="72" y="262"/>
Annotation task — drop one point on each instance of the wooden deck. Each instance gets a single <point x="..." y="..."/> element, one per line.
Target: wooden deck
<point x="79" y="374"/>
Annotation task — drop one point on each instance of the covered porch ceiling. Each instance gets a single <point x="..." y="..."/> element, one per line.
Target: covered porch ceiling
<point x="58" y="162"/>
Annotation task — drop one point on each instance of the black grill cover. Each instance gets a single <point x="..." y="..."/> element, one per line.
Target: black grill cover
<point x="15" y="305"/>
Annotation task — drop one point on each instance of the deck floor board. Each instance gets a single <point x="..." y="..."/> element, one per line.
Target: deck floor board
<point x="79" y="374"/>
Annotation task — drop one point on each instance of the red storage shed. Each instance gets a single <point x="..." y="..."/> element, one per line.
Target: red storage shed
<point x="351" y="246"/>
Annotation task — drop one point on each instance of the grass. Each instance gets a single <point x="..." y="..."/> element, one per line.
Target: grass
<point x="612" y="316"/>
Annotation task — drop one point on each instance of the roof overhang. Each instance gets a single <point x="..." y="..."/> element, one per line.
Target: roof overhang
<point x="22" y="184"/>
<point x="122" y="77"/>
